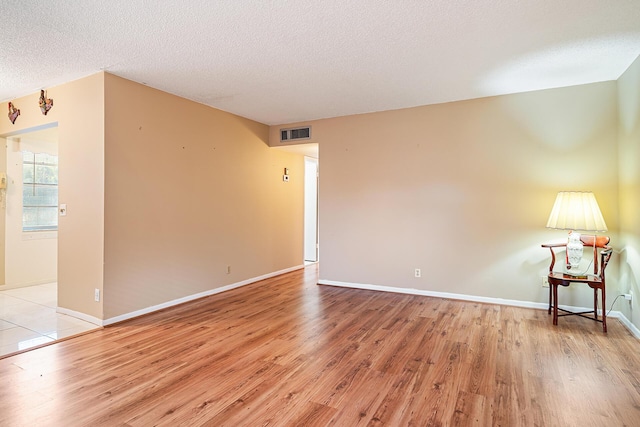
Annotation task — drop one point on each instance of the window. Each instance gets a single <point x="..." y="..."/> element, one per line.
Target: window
<point x="39" y="191"/>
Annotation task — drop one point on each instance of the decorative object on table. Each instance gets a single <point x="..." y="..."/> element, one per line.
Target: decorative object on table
<point x="13" y="113"/>
<point x="576" y="211"/>
<point x="45" y="103"/>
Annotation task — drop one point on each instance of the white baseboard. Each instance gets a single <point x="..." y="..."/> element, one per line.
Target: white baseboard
<point x="80" y="316"/>
<point x="627" y="323"/>
<point x="188" y="298"/>
<point x="411" y="291"/>
<point x="474" y="298"/>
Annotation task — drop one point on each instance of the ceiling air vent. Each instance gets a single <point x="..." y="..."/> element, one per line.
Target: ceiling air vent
<point x="295" y="134"/>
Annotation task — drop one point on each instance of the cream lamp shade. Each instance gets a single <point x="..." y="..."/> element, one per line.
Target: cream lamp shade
<point x="576" y="210"/>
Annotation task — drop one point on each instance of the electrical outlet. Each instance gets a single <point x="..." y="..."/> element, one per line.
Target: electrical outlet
<point x="418" y="272"/>
<point x="629" y="296"/>
<point x="96" y="295"/>
<point x="545" y="281"/>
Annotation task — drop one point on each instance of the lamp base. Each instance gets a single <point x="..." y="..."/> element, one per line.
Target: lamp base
<point x="575" y="250"/>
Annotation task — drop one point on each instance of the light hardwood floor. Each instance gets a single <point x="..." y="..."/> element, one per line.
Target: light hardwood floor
<point x="286" y="351"/>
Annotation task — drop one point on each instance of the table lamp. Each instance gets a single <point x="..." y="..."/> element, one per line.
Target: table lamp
<point x="576" y="211"/>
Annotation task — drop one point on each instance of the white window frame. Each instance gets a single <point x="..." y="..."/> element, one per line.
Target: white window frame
<point x="38" y="228"/>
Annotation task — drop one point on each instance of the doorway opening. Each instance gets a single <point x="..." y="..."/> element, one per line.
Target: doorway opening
<point x="310" y="152"/>
<point x="30" y="209"/>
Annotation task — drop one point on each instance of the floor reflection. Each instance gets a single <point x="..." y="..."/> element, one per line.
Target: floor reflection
<point x="28" y="318"/>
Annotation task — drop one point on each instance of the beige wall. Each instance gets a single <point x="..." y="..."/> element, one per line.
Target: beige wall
<point x="31" y="257"/>
<point x="629" y="140"/>
<point x="462" y="190"/>
<point x="79" y="111"/>
<point x="3" y="210"/>
<point x="191" y="190"/>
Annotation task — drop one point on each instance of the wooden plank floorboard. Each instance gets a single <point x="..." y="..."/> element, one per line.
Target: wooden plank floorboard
<point x="287" y="352"/>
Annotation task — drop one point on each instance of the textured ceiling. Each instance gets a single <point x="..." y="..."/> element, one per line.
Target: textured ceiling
<point x="285" y="61"/>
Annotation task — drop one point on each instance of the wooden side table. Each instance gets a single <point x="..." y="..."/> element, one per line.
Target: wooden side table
<point x="595" y="281"/>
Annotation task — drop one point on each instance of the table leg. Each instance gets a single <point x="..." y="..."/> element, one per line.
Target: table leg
<point x="604" y="310"/>
<point x="555" y="304"/>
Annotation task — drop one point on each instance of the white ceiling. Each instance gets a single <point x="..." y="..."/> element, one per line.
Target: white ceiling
<point x="284" y="61"/>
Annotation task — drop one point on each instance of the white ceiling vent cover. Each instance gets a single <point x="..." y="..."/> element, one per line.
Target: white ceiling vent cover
<point x="295" y="134"/>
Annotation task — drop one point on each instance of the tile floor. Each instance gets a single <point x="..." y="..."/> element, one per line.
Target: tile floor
<point x="28" y="318"/>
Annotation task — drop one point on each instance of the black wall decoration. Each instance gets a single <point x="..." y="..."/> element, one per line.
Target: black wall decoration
<point x="13" y="113"/>
<point x="45" y="103"/>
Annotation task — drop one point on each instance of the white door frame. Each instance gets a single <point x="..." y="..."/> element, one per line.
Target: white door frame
<point x="310" y="209"/>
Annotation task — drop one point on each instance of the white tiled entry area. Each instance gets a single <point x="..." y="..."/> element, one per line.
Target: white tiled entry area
<point x="28" y="318"/>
